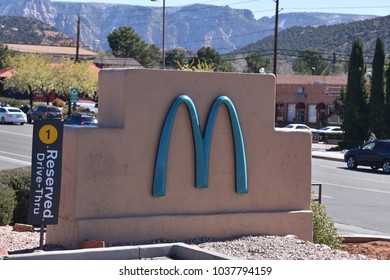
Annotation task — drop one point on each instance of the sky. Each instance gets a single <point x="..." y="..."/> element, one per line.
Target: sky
<point x="261" y="8"/>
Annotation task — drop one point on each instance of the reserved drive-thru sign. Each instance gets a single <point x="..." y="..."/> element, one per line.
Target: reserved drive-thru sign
<point x="46" y="172"/>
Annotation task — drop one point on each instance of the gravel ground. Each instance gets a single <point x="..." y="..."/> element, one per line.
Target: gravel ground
<point x="247" y="248"/>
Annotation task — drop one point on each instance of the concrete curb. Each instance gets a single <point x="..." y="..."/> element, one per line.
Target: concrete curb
<point x="335" y="158"/>
<point x="176" y="251"/>
<point x="364" y="238"/>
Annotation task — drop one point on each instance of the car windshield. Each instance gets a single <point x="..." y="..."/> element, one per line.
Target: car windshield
<point x="289" y="126"/>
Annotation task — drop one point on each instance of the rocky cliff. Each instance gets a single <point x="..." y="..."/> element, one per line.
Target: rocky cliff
<point x="191" y="27"/>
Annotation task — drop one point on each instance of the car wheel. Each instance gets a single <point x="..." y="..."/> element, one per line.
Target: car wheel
<point x="22" y="123"/>
<point x="2" y="121"/>
<point x="386" y="166"/>
<point x="29" y="119"/>
<point x="351" y="162"/>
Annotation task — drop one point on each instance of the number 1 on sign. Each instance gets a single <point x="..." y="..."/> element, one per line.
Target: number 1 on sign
<point x="48" y="134"/>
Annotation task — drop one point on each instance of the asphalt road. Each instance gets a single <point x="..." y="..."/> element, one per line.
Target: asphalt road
<point x="355" y="199"/>
<point x="15" y="145"/>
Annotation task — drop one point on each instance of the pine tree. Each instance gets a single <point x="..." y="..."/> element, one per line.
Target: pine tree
<point x="355" y="107"/>
<point x="376" y="116"/>
<point x="125" y="42"/>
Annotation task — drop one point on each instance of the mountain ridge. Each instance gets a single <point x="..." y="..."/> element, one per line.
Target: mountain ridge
<point x="191" y="27"/>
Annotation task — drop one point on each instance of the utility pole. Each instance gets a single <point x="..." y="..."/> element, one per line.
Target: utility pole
<point x="276" y="37"/>
<point x="163" y="37"/>
<point x="77" y="40"/>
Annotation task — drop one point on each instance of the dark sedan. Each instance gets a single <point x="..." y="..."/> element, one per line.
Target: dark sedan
<point x="375" y="154"/>
<point x="81" y="119"/>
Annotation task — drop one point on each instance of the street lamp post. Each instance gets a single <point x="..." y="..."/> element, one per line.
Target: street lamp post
<point x="276" y="36"/>
<point x="163" y="35"/>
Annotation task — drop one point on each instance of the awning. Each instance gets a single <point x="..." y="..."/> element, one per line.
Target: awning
<point x="300" y="105"/>
<point x="320" y="106"/>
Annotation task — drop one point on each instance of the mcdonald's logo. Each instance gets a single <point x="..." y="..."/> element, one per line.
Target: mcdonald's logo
<point x="202" y="145"/>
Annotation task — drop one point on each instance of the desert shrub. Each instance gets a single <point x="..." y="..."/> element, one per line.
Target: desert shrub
<point x="324" y="230"/>
<point x="334" y="136"/>
<point x="7" y="205"/>
<point x="13" y="102"/>
<point x="18" y="180"/>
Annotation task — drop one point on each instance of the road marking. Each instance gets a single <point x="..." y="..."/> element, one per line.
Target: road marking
<point x="22" y="162"/>
<point x="16" y="133"/>
<point x="351" y="177"/>
<point x="323" y="196"/>
<point x="18" y="155"/>
<point x="359" y="189"/>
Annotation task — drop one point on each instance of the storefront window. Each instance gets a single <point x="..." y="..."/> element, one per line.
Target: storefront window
<point x="279" y="112"/>
<point x="291" y="112"/>
<point x="312" y="113"/>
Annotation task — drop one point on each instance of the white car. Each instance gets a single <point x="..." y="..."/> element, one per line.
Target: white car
<point x="330" y="129"/>
<point x="12" y="115"/>
<point x="297" y="126"/>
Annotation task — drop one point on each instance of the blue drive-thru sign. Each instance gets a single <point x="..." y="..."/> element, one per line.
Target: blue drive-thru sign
<point x="202" y="145"/>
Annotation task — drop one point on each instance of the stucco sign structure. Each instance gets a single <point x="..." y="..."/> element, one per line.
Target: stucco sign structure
<point x="180" y="155"/>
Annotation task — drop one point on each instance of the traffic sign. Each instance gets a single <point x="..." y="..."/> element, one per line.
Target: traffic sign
<point x="74" y="95"/>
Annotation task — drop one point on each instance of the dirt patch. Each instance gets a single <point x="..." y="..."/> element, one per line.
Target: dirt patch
<point x="379" y="250"/>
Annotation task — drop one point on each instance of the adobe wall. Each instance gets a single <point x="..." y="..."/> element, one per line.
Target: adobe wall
<point x="107" y="173"/>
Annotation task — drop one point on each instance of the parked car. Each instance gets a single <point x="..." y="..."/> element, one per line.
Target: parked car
<point x="81" y="119"/>
<point x="12" y="115"/>
<point x="328" y="133"/>
<point x="297" y="126"/>
<point x="375" y="154"/>
<point x="44" y="112"/>
<point x="330" y="129"/>
<point x="25" y="108"/>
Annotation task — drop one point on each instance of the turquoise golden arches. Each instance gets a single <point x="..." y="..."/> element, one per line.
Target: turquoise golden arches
<point x="202" y="145"/>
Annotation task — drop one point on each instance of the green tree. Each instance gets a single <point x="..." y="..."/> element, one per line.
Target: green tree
<point x="4" y="54"/>
<point x="387" y="99"/>
<point x="125" y="42"/>
<point x="155" y="56"/>
<point x="339" y="104"/>
<point x="311" y="63"/>
<point x="175" y="57"/>
<point x="255" y="61"/>
<point x="32" y="73"/>
<point x="355" y="107"/>
<point x="212" y="58"/>
<point x="81" y="75"/>
<point x="376" y="116"/>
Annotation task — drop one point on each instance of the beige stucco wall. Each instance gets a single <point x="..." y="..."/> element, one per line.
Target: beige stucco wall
<point x="107" y="172"/>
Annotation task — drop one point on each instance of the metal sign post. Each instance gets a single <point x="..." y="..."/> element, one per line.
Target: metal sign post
<point x="46" y="170"/>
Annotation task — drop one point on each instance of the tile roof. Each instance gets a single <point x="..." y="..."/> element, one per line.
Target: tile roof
<point x="310" y="79"/>
<point x="5" y="73"/>
<point x="50" y="50"/>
